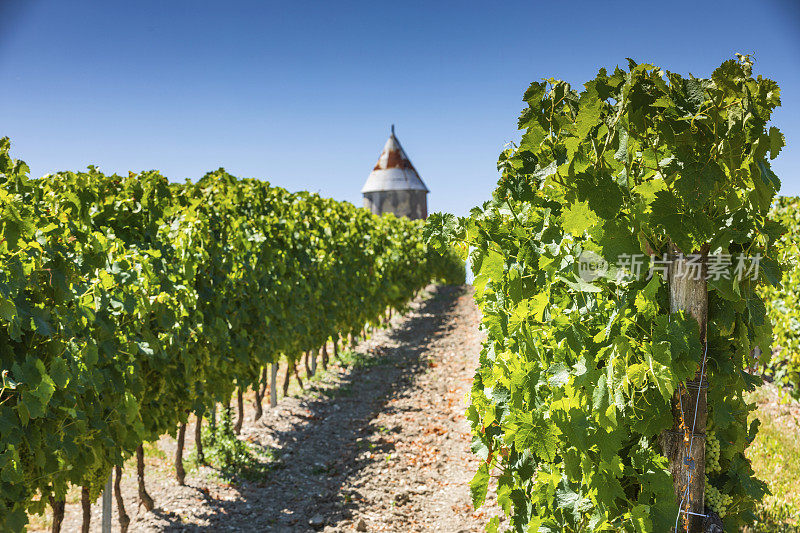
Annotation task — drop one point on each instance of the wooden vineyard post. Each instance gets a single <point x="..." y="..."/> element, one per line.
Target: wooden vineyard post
<point x="107" y="495"/>
<point x="273" y="385"/>
<point x="684" y="443"/>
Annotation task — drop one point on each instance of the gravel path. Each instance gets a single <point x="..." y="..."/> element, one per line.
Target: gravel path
<point x="382" y="446"/>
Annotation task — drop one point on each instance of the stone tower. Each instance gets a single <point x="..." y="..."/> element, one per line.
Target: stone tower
<point x="394" y="186"/>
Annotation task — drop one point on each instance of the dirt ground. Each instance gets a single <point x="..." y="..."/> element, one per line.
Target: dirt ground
<point x="377" y="446"/>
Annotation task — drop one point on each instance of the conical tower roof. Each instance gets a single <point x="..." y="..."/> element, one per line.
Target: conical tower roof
<point x="393" y="171"/>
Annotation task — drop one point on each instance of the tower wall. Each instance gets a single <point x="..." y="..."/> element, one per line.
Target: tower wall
<point x="412" y="204"/>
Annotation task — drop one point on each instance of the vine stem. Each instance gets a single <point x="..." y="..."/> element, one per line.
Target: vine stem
<point x="58" y="514"/>
<point x="198" y="437"/>
<point x="260" y="389"/>
<point x="237" y="428"/>
<point x="180" y="472"/>
<point x="124" y="519"/>
<point x="144" y="498"/>
<point x="86" y="507"/>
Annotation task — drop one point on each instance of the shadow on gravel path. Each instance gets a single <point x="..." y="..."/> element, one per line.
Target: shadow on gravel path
<point x="324" y="441"/>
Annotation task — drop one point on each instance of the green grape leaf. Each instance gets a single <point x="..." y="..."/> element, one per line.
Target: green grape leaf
<point x="35" y="400"/>
<point x="640" y="516"/>
<point x="59" y="372"/>
<point x="479" y="485"/>
<point x="578" y="218"/>
<point x="7" y="309"/>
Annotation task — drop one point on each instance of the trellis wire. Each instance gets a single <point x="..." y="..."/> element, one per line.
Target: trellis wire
<point x="689" y="465"/>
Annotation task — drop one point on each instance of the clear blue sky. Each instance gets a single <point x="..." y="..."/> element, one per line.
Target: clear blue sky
<point x="303" y="93"/>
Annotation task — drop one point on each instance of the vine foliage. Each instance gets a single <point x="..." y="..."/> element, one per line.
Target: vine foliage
<point x="783" y="303"/>
<point x="127" y="302"/>
<point x="578" y="373"/>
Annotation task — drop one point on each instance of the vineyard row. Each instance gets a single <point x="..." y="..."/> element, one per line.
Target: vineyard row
<point x="127" y="303"/>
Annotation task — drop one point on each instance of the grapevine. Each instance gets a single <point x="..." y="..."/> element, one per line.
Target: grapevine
<point x="128" y="302"/>
<point x="783" y="302"/>
<point x="585" y="368"/>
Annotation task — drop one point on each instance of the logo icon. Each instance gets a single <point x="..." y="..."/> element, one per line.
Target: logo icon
<point x="591" y="266"/>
